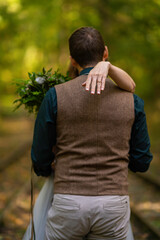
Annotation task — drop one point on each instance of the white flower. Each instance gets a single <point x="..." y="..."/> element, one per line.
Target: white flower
<point x="40" y="80"/>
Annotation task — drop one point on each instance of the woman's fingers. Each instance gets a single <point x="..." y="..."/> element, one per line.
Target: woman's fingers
<point x="99" y="85"/>
<point x="87" y="82"/>
<point x="103" y="83"/>
<point x="93" y="82"/>
<point x="97" y="77"/>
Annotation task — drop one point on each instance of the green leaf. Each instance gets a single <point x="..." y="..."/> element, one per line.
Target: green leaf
<point x="34" y="76"/>
<point x="50" y="70"/>
<point x="17" y="100"/>
<point x="36" y="93"/>
<point x="44" y="70"/>
<point x="18" y="106"/>
<point x="30" y="75"/>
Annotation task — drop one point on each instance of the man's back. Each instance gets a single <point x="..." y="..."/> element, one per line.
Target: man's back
<point x="93" y="134"/>
<point x="95" y="139"/>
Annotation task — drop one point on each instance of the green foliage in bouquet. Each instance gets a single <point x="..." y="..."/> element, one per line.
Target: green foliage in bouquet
<point x="31" y="92"/>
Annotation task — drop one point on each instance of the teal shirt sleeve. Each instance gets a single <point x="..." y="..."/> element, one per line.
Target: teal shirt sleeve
<point x="44" y="137"/>
<point x="139" y="155"/>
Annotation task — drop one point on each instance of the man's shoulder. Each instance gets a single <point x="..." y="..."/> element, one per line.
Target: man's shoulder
<point x="50" y="93"/>
<point x="138" y="99"/>
<point x="72" y="82"/>
<point x="138" y="103"/>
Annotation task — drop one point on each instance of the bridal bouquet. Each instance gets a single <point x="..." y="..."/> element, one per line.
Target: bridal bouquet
<point x="32" y="91"/>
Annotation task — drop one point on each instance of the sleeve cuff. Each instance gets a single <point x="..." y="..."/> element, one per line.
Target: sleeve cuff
<point x="138" y="167"/>
<point x="45" y="172"/>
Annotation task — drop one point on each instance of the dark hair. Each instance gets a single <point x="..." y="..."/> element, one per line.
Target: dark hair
<point x="86" y="46"/>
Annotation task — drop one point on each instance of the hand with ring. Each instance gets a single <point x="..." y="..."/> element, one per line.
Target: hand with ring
<point x="97" y="77"/>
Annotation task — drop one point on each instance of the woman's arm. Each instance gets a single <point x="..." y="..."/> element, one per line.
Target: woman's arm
<point x="98" y="74"/>
<point x="121" y="78"/>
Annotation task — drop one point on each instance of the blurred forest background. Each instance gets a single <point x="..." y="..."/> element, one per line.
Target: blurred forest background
<point x="34" y="34"/>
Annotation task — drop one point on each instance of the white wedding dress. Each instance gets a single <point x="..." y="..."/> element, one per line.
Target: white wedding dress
<point x="42" y="205"/>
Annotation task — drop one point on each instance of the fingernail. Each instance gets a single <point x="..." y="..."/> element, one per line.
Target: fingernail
<point x="87" y="89"/>
<point x="98" y="92"/>
<point x="92" y="92"/>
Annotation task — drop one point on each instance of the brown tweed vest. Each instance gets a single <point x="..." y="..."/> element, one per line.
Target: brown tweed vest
<point x="93" y="134"/>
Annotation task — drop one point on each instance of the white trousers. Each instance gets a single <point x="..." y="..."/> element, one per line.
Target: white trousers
<point x="73" y="217"/>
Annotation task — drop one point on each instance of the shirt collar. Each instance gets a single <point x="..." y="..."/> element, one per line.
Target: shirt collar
<point x="86" y="71"/>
